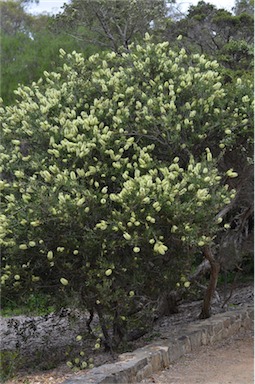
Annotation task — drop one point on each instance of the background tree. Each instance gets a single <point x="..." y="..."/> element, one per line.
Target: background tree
<point x="13" y="17"/>
<point x="112" y="24"/>
<point x="217" y="33"/>
<point x="244" y="6"/>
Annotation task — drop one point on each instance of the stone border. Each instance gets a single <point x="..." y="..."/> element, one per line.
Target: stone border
<point x="135" y="366"/>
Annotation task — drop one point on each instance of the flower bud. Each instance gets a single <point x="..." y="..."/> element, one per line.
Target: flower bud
<point x="23" y="246"/>
<point x="50" y="255"/>
<point x="126" y="236"/>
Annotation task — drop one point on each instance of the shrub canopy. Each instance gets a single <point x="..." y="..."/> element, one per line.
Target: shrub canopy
<point x="109" y="175"/>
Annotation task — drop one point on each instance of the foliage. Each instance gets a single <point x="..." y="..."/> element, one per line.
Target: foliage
<point x="10" y="363"/>
<point x="237" y="55"/>
<point x="32" y="305"/>
<point x="30" y="43"/>
<point x="79" y="362"/>
<point x="24" y="59"/>
<point x="109" y="178"/>
<point x="28" y="47"/>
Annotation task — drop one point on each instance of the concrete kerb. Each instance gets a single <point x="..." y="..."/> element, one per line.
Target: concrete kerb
<point x="135" y="366"/>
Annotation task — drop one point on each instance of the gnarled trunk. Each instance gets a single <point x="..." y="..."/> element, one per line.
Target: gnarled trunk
<point x="215" y="269"/>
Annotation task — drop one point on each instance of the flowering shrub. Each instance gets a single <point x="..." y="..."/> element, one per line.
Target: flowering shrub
<point x="110" y="179"/>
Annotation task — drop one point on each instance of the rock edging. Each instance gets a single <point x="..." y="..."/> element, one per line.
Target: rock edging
<point x="139" y="364"/>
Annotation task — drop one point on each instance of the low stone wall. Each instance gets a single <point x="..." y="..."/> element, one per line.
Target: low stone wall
<point x="135" y="366"/>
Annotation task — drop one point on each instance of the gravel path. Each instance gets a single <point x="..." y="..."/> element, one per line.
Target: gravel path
<point x="230" y="361"/>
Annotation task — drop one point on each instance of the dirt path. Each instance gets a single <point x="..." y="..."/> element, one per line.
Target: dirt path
<point x="227" y="362"/>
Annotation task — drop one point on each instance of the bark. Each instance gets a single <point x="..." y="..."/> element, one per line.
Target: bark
<point x="215" y="269"/>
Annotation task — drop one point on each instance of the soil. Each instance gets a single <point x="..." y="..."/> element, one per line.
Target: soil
<point x="210" y="363"/>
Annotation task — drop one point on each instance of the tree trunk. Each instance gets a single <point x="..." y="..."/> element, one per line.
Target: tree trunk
<point x="108" y="339"/>
<point x="215" y="269"/>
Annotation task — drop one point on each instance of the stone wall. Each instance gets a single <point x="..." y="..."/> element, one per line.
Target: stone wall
<point x="135" y="366"/>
